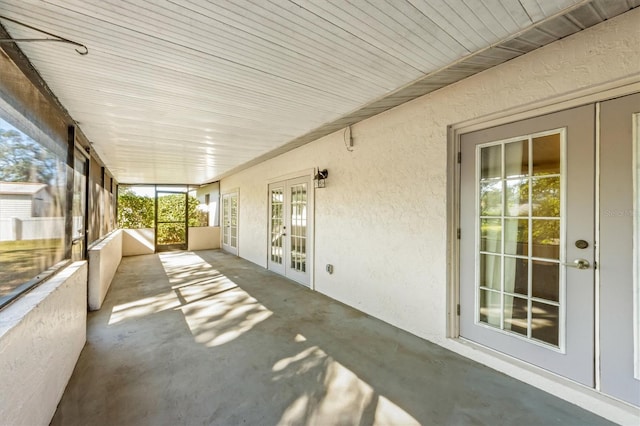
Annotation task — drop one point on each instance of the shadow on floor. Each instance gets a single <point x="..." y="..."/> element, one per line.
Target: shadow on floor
<point x="208" y="338"/>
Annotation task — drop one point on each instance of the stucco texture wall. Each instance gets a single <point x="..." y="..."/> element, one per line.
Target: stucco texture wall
<point x="41" y="337"/>
<point x="382" y="218"/>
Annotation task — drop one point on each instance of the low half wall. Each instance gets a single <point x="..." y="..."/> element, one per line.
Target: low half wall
<point x="138" y="241"/>
<point x="204" y="238"/>
<point x="41" y="337"/>
<point x="104" y="258"/>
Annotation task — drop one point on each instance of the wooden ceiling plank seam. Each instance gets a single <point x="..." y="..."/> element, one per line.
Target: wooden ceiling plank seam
<point x="423" y="27"/>
<point x="387" y="75"/>
<point x="533" y="8"/>
<point x="357" y="32"/>
<point x="468" y="16"/>
<point x="353" y="48"/>
<point x="375" y="33"/>
<point x="423" y="41"/>
<point x="496" y="17"/>
<point x="308" y="105"/>
<point x="336" y="60"/>
<point x="455" y="29"/>
<point x="286" y="58"/>
<point x="274" y="91"/>
<point x="329" y="28"/>
<point x="518" y="13"/>
<point x="219" y="58"/>
<point x="130" y="59"/>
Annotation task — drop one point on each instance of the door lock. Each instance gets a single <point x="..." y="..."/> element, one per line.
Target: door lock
<point x="579" y="264"/>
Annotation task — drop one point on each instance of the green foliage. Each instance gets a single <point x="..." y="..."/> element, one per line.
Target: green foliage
<point x="135" y="211"/>
<point x="138" y="211"/>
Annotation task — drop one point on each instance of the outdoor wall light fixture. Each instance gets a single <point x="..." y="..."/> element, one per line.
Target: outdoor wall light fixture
<point x="319" y="178"/>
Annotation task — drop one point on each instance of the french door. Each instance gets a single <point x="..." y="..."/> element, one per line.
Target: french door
<point x="290" y="229"/>
<point x="230" y="222"/>
<point x="547" y="241"/>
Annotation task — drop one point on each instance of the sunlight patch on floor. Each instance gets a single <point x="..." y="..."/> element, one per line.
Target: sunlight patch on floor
<point x="341" y="396"/>
<point x="143" y="307"/>
<point x="216" y="310"/>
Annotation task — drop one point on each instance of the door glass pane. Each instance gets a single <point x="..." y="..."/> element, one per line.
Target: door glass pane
<point x="545" y="236"/>
<point x="491" y="198"/>
<point x="516" y="159"/>
<point x="516" y="275"/>
<point x="515" y="314"/>
<point x="516" y="236"/>
<point x="517" y="197"/>
<point x="519" y="246"/>
<point x="277" y="225"/>
<point x="546" y="155"/>
<point x="545" y="279"/>
<point x="490" y="269"/>
<point x="544" y="322"/>
<point x="491" y="235"/>
<point x="298" y="232"/>
<point x="490" y="307"/>
<point x="491" y="162"/>
<point x="545" y="197"/>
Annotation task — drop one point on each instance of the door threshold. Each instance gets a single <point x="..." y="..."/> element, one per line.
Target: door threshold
<point x="561" y="387"/>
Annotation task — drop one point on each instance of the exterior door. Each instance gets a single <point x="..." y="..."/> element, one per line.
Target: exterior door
<point x="619" y="253"/>
<point x="527" y="221"/>
<point x="289" y="229"/>
<point x="171" y="220"/>
<point x="230" y="222"/>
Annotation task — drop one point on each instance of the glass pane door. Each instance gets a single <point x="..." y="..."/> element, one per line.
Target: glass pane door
<point x="171" y="221"/>
<point x="289" y="229"/>
<point x="527" y="222"/>
<point x="230" y="222"/>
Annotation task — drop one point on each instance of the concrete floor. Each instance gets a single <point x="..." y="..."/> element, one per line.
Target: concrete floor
<point x="206" y="338"/>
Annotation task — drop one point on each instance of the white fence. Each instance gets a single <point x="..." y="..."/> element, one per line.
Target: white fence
<point x="36" y="228"/>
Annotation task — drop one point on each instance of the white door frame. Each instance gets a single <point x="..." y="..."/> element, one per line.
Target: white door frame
<point x="307" y="175"/>
<point x="223" y="216"/>
<point x="526" y="372"/>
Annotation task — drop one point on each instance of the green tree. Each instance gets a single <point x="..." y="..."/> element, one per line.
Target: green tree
<point x="135" y="211"/>
<point x="138" y="211"/>
<point x="24" y="160"/>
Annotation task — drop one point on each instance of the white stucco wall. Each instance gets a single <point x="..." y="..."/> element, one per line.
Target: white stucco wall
<point x="381" y="220"/>
<point x="104" y="259"/>
<point x="204" y="238"/>
<point x="138" y="241"/>
<point x="41" y="336"/>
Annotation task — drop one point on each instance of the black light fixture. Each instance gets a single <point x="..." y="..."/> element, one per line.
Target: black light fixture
<point x="319" y="178"/>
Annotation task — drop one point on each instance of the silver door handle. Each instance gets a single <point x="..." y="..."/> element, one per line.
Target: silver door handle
<point x="579" y="264"/>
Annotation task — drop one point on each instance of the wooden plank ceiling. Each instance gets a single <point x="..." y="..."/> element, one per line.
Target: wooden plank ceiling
<point x="186" y="91"/>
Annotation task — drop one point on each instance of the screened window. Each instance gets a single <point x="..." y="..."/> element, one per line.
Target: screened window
<point x="32" y="209"/>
